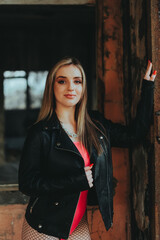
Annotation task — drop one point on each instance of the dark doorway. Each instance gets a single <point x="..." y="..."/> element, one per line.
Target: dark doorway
<point x="33" y="39"/>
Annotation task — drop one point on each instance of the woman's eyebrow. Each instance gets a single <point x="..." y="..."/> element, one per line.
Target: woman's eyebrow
<point x="66" y="77"/>
<point x="61" y="77"/>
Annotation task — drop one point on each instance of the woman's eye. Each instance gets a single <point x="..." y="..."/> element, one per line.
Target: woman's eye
<point x="78" y="81"/>
<point x="61" y="81"/>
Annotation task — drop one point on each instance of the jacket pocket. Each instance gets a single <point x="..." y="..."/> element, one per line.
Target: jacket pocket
<point x="33" y="205"/>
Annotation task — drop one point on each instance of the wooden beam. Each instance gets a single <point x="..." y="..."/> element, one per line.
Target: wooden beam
<point x="47" y="2"/>
<point x="8" y="187"/>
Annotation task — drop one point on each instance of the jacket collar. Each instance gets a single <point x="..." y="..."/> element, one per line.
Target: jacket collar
<point x="62" y="140"/>
<point x="52" y="123"/>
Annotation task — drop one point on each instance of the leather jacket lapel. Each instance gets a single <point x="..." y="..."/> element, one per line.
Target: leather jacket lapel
<point x="65" y="143"/>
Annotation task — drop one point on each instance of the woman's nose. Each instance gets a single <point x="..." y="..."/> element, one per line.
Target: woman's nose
<point x="71" y="86"/>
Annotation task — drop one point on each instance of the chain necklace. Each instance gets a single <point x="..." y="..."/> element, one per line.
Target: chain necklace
<point x="70" y="134"/>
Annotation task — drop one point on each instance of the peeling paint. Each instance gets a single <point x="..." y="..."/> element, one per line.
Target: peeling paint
<point x="106" y="12"/>
<point x="107" y="53"/>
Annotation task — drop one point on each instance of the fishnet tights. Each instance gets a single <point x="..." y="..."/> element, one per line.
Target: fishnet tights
<point x="80" y="233"/>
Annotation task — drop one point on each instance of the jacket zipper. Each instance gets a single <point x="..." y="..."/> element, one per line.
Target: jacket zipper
<point x="34" y="203"/>
<point x="63" y="149"/>
<point x="74" y="213"/>
<point x="108" y="188"/>
<point x="109" y="205"/>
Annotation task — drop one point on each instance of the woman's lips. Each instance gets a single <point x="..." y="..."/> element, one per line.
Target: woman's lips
<point x="70" y="96"/>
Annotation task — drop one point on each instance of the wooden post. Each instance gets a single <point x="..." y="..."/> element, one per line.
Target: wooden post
<point x="139" y="155"/>
<point x="110" y="101"/>
<point x="155" y="34"/>
<point x="114" y="110"/>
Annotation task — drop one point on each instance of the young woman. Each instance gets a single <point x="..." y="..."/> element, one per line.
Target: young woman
<point x="66" y="159"/>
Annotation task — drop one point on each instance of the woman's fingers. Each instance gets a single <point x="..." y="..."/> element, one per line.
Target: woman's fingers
<point x="88" y="167"/>
<point x="153" y="76"/>
<point x="90" y="179"/>
<point x="148" y="71"/>
<point x="89" y="176"/>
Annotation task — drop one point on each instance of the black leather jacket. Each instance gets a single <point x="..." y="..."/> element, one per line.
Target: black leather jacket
<point x="52" y="172"/>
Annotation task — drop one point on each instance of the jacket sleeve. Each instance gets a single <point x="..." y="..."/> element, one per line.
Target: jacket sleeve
<point x="123" y="136"/>
<point x="32" y="181"/>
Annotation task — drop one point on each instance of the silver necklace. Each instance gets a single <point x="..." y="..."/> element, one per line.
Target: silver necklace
<point x="70" y="134"/>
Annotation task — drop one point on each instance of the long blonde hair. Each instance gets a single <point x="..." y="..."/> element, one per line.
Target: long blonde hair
<point x="86" y="128"/>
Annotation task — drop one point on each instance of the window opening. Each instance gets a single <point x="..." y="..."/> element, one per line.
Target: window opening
<point x="19" y="86"/>
<point x="36" y="84"/>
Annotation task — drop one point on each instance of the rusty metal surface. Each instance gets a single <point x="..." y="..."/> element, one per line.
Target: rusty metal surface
<point x="110" y="68"/>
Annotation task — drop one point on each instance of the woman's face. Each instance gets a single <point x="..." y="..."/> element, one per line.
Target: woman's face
<point x="68" y="86"/>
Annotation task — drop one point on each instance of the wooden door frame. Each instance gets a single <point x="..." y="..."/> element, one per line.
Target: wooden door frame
<point x="155" y="51"/>
<point x="14" y="187"/>
<point x="47" y="2"/>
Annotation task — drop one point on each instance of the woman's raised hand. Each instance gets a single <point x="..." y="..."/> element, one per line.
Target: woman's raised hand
<point x="89" y="176"/>
<point x="148" y="75"/>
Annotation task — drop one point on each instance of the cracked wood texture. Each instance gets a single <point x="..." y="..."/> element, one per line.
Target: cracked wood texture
<point x="142" y="156"/>
<point x="138" y="54"/>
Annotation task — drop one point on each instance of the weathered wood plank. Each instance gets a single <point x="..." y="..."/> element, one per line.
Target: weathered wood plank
<point x="139" y="155"/>
<point x="8" y="187"/>
<point x="47" y="2"/>
<point x="137" y="63"/>
<point x="155" y="33"/>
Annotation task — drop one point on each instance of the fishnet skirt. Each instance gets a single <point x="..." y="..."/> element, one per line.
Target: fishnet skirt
<point x="80" y="233"/>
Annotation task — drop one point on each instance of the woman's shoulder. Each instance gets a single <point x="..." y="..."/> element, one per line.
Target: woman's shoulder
<point x="95" y="114"/>
<point x="35" y="129"/>
<point x="99" y="118"/>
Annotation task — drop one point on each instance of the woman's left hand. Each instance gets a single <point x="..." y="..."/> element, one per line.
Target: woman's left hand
<point x="148" y="72"/>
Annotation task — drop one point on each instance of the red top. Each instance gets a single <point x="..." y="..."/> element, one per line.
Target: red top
<point x="82" y="202"/>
